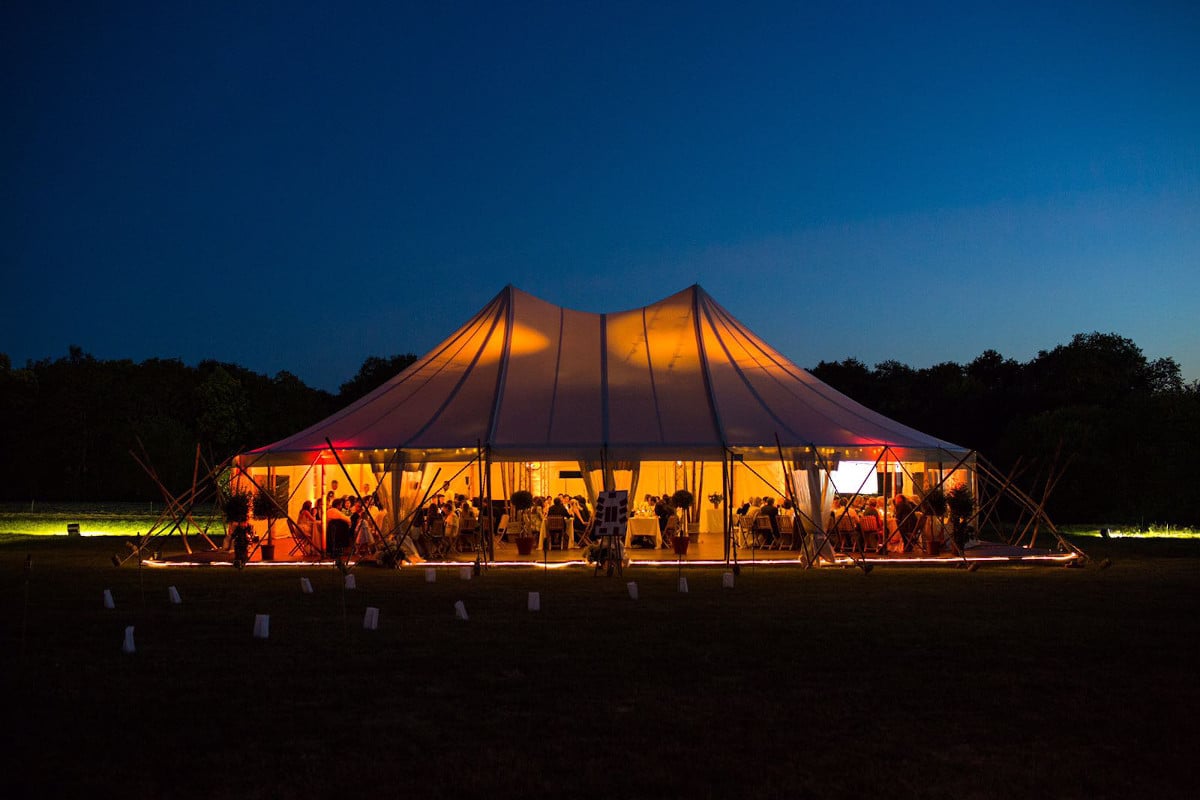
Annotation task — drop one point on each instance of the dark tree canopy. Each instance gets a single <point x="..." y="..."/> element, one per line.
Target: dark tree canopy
<point x="373" y="373"/>
<point x="1127" y="424"/>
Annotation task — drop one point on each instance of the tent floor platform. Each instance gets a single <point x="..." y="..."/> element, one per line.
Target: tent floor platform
<point x="709" y="550"/>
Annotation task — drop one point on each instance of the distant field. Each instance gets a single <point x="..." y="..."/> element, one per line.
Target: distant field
<point x="1006" y="682"/>
<point x="1131" y="531"/>
<point x="95" y="519"/>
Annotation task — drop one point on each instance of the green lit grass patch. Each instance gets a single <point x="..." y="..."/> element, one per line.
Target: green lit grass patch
<point x="94" y="519"/>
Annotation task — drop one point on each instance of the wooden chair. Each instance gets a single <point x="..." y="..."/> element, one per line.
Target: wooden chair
<point x="762" y="532"/>
<point x="438" y="543"/>
<point x="302" y="540"/>
<point x="556" y="531"/>
<point x="787" y="532"/>
<point x="468" y="536"/>
<point x="872" y="532"/>
<point x="585" y="536"/>
<point x="744" y="530"/>
<point x="848" y="534"/>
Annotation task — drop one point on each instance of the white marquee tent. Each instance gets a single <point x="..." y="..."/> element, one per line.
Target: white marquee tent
<point x="528" y="383"/>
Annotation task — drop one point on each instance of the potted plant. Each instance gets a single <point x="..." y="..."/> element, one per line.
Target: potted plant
<point x="684" y="500"/>
<point x="237" y="513"/>
<point x="962" y="508"/>
<point x="522" y="501"/>
<point x="680" y="543"/>
<point x="267" y="506"/>
<point x="715" y="498"/>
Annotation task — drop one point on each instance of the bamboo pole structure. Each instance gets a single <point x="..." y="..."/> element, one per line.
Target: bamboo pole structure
<point x="178" y="508"/>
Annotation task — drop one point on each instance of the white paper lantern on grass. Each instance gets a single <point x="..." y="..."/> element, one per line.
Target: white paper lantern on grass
<point x="371" y="619"/>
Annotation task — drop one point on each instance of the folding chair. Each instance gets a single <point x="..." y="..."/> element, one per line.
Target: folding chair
<point x="762" y="530"/>
<point x="871" y="532"/>
<point x="787" y="532"/>
<point x="849" y="536"/>
<point x="744" y="526"/>
<point x="438" y="543"/>
<point x="468" y="536"/>
<point x="585" y="536"/>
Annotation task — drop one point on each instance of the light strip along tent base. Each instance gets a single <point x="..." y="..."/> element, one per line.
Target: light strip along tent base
<point x="527" y="394"/>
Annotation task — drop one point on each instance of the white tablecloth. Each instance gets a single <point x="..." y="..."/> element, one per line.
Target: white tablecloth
<point x="570" y="533"/>
<point x="642" y="526"/>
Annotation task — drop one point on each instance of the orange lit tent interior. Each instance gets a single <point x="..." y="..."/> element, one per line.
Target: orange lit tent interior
<point x="674" y="395"/>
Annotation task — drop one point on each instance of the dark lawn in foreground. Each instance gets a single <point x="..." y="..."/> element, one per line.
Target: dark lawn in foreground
<point x="934" y="682"/>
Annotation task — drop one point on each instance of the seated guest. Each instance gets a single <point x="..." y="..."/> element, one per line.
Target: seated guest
<point x="557" y="509"/>
<point x="871" y="524"/>
<point x="663" y="510"/>
<point x="771" y="513"/>
<point x="843" y="522"/>
<point x="582" y="515"/>
<point x="306" y="520"/>
<point x="467" y="515"/>
<point x="337" y="529"/>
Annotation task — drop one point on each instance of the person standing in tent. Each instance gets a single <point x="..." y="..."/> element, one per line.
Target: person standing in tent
<point x="906" y="521"/>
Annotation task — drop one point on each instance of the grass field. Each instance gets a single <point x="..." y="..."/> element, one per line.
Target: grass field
<point x="94" y="519"/>
<point x="1006" y="682"/>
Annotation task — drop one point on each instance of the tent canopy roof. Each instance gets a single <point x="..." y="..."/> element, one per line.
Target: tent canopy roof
<point x="680" y="378"/>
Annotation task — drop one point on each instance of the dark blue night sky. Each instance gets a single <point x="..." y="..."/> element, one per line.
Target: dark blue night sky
<point x="297" y="186"/>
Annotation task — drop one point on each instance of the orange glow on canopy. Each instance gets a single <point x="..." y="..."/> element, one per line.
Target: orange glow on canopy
<point x="526" y="340"/>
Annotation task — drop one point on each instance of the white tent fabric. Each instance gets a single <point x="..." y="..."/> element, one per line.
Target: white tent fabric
<point x="681" y="378"/>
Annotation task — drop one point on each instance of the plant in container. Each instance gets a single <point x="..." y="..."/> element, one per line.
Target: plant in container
<point x="237" y="514"/>
<point x="522" y="501"/>
<point x="268" y="506"/>
<point x="683" y="500"/>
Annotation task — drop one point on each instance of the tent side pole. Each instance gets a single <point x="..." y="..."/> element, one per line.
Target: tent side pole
<point x="727" y="491"/>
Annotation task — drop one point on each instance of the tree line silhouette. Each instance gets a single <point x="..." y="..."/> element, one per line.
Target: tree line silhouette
<point x="1124" y="424"/>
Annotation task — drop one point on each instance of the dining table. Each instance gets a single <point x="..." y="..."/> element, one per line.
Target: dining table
<point x="541" y="542"/>
<point x="642" y="526"/>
